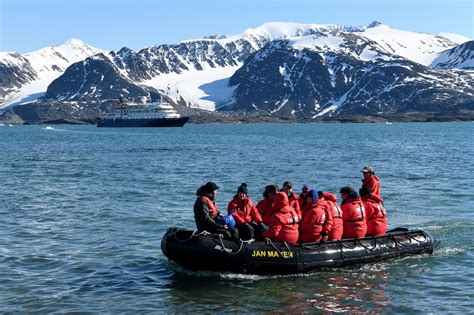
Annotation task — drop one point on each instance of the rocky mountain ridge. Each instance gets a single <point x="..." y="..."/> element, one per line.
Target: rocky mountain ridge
<point x="282" y="69"/>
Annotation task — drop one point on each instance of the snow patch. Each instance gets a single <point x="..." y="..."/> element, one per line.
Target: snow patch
<point x="418" y="47"/>
<point x="206" y="89"/>
<point x="318" y="43"/>
<point x="455" y="38"/>
<point x="279" y="107"/>
<point x="325" y="111"/>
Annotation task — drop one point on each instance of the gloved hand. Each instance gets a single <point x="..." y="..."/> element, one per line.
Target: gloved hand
<point x="263" y="226"/>
<point x="250" y="230"/>
<point x="293" y="220"/>
<point x="222" y="226"/>
<point x="325" y="236"/>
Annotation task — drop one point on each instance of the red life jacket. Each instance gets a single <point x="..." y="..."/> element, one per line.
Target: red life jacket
<point x="283" y="225"/>
<point x="335" y="233"/>
<point x="243" y="211"/>
<point x="294" y="202"/>
<point x="265" y="208"/>
<point x="353" y="216"/>
<point x="212" y="206"/>
<point x="314" y="222"/>
<point x="376" y="215"/>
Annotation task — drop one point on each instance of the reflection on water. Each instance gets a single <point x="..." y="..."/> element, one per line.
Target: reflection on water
<point x="354" y="292"/>
<point x="358" y="290"/>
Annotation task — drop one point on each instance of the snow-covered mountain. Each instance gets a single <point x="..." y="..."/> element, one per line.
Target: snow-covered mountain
<point x="376" y="71"/>
<point x="15" y="72"/>
<point x="459" y="57"/>
<point x="281" y="68"/>
<point x="26" y="77"/>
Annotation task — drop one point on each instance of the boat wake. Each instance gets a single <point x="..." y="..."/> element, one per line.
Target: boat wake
<point x="54" y="129"/>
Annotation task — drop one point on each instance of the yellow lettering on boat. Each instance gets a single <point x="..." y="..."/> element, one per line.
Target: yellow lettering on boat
<point x="272" y="254"/>
<point x="287" y="254"/>
<point x="259" y="253"/>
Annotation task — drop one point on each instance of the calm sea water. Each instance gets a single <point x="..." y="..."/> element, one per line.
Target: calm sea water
<point x="83" y="211"/>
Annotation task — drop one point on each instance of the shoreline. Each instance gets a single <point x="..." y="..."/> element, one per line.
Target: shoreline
<point x="239" y="118"/>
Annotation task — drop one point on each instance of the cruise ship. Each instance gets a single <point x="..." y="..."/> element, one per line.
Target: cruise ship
<point x="156" y="114"/>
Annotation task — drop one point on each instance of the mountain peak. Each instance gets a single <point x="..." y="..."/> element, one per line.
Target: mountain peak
<point x="280" y="30"/>
<point x="74" y="42"/>
<point x="374" y="24"/>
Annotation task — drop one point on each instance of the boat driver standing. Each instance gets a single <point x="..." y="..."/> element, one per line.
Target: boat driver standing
<point x="370" y="180"/>
<point x="205" y="212"/>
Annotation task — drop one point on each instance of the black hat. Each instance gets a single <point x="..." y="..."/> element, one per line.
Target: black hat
<point x="243" y="188"/>
<point x="288" y="184"/>
<point x="210" y="187"/>
<point x="270" y="189"/>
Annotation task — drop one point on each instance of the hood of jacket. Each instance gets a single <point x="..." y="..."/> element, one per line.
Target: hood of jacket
<point x="330" y="196"/>
<point x="280" y="200"/>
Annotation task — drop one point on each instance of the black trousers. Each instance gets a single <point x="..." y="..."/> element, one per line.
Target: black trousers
<point x="231" y="234"/>
<point x="252" y="230"/>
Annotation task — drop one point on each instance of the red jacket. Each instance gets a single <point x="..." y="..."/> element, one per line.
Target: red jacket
<point x="265" y="208"/>
<point x="372" y="182"/>
<point x="353" y="215"/>
<point x="282" y="226"/>
<point x="302" y="201"/>
<point x="376" y="215"/>
<point x="337" y="226"/>
<point x="294" y="202"/>
<point x="245" y="211"/>
<point x="314" y="224"/>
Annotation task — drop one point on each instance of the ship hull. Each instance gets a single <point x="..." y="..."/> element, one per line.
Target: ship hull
<point x="158" y="122"/>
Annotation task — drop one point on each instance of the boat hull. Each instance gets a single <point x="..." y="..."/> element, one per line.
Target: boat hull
<point x="159" y="122"/>
<point x="210" y="252"/>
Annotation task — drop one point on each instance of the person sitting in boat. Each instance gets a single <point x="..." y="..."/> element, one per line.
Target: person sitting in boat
<point x="206" y="212"/>
<point x="370" y="180"/>
<point x="247" y="219"/>
<point x="283" y="225"/>
<point x="302" y="197"/>
<point x="353" y="214"/>
<point x="337" y="224"/>
<point x="265" y="206"/>
<point x="292" y="198"/>
<point x="317" y="219"/>
<point x="376" y="215"/>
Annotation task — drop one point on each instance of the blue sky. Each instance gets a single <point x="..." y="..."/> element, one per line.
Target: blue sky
<point x="27" y="25"/>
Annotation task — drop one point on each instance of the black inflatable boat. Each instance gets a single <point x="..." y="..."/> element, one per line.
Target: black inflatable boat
<point x="205" y="251"/>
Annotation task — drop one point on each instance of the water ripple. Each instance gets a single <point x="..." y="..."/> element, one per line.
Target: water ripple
<point x="84" y="210"/>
